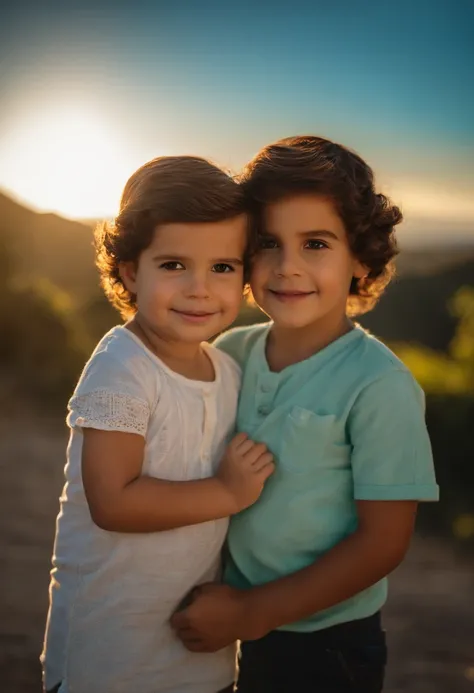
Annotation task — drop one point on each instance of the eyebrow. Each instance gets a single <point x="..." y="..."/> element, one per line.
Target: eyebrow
<point x="319" y="232"/>
<point x="310" y="234"/>
<point x="180" y="258"/>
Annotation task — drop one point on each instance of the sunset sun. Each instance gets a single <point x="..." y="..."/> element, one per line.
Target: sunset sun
<point x="69" y="161"/>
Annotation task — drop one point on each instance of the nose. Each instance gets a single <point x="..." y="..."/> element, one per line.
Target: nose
<point x="287" y="263"/>
<point x="198" y="285"/>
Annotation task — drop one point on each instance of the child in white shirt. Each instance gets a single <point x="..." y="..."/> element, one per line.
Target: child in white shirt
<point x="150" y="476"/>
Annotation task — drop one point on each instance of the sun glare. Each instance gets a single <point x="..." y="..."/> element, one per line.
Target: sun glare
<point x="420" y="200"/>
<point x="68" y="161"/>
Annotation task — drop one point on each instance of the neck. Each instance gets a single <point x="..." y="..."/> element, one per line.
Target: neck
<point x="287" y="346"/>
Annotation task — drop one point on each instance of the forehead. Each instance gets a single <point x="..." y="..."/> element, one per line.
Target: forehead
<point x="305" y="212"/>
<point x="204" y="238"/>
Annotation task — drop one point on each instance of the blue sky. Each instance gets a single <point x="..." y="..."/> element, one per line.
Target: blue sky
<point x="392" y="80"/>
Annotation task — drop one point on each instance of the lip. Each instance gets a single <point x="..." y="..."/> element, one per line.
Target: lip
<point x="289" y="296"/>
<point x="196" y="317"/>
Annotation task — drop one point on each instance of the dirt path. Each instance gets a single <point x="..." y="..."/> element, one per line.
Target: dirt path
<point x="429" y="617"/>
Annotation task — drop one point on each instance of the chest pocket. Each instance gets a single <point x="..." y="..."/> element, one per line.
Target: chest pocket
<point x="313" y="443"/>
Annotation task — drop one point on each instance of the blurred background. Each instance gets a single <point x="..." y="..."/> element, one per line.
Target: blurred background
<point x="88" y="95"/>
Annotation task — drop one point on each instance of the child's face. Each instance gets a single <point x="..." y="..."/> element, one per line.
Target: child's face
<point x="303" y="271"/>
<point x="189" y="281"/>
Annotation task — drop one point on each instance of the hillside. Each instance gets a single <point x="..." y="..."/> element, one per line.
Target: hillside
<point x="415" y="306"/>
<point x="46" y="245"/>
<point x="413" y="309"/>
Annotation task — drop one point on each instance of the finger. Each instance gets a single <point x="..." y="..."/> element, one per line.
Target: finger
<point x="196" y="646"/>
<point x="238" y="440"/>
<point x="179" y="620"/>
<point x="199" y="644"/>
<point x="245" y="447"/>
<point x="190" y="635"/>
<point x="255" y="452"/>
<point x="267" y="471"/>
<point x="187" y="633"/>
<point x="262" y="461"/>
<point x="190" y="641"/>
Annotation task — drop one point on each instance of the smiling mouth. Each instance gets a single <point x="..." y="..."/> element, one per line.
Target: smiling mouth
<point x="290" y="294"/>
<point x="194" y="315"/>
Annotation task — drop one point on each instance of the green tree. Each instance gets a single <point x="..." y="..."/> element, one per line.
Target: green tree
<point x="462" y="345"/>
<point x="451" y="373"/>
<point x="43" y="345"/>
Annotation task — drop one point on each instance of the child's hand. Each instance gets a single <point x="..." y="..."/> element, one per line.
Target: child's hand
<point x="217" y="617"/>
<point x="244" y="469"/>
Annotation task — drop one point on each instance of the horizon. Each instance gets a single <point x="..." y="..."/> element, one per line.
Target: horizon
<point x="90" y="93"/>
<point x="418" y="235"/>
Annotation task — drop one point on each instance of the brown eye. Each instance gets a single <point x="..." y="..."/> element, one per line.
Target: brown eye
<point x="222" y="268"/>
<point x="315" y="244"/>
<point x="172" y="266"/>
<point x="267" y="243"/>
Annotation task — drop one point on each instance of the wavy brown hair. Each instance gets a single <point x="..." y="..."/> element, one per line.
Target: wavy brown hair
<point x="168" y="189"/>
<point x="310" y="164"/>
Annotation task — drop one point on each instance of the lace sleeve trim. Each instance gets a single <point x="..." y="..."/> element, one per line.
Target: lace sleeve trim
<point x="109" y="411"/>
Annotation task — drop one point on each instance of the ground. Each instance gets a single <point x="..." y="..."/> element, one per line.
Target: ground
<point x="429" y="616"/>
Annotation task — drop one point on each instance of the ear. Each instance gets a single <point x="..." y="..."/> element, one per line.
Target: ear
<point x="128" y="275"/>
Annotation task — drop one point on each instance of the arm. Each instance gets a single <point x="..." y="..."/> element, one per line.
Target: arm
<point x="219" y="615"/>
<point x="373" y="551"/>
<point x="122" y="500"/>
<point x="392" y="469"/>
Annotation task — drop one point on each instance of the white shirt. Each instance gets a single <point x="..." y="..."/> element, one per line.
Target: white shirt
<point x="112" y="594"/>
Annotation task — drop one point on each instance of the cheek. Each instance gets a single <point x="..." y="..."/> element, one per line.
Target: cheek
<point x="153" y="290"/>
<point x="230" y="292"/>
<point x="258" y="276"/>
<point x="336" y="275"/>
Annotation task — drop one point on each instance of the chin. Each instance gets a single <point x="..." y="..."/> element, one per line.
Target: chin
<point x="293" y="322"/>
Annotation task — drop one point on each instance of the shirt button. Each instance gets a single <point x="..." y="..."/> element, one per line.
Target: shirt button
<point x="263" y="411"/>
<point x="265" y="387"/>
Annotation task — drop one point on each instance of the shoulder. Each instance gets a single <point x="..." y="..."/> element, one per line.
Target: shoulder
<point x="378" y="356"/>
<point x="376" y="362"/>
<point x="119" y="344"/>
<point x="384" y="381"/>
<point x="120" y="363"/>
<point x="239" y="342"/>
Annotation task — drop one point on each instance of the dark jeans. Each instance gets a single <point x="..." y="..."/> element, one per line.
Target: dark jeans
<point x="347" y="658"/>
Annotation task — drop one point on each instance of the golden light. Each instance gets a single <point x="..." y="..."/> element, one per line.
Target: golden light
<point x="433" y="201"/>
<point x="68" y="161"/>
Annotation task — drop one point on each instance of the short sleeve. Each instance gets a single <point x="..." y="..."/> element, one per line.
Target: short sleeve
<point x="391" y="451"/>
<point x="110" y="396"/>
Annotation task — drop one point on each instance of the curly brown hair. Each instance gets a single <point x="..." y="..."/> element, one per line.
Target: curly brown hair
<point x="168" y="189"/>
<point x="313" y="164"/>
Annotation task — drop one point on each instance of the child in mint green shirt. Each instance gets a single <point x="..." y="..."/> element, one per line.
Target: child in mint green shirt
<point x="307" y="565"/>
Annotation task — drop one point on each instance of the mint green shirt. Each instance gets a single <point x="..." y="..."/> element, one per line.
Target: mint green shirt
<point x="346" y="424"/>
